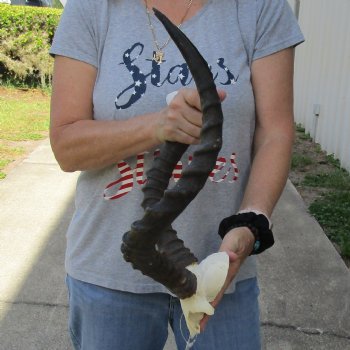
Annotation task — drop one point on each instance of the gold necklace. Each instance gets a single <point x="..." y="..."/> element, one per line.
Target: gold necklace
<point x="158" y="55"/>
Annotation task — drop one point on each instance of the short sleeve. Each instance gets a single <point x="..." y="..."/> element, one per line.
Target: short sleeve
<point x="75" y="36"/>
<point x="276" y="29"/>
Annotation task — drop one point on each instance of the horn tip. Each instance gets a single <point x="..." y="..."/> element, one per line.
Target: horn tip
<point x="158" y="14"/>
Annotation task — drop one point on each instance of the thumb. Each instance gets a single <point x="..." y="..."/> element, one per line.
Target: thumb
<point x="232" y="255"/>
<point x="222" y="94"/>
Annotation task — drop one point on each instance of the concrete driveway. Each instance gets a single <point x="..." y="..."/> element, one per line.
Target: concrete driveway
<point x="305" y="286"/>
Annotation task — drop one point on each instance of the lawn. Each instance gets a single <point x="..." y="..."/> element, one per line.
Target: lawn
<point x="24" y="119"/>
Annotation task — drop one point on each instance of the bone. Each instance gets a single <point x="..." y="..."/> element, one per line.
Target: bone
<point x="151" y="245"/>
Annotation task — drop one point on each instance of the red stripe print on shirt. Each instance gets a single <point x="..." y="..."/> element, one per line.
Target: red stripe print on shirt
<point x="125" y="183"/>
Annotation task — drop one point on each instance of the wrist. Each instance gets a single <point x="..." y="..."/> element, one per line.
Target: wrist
<point x="257" y="212"/>
<point x="258" y="224"/>
<point x="245" y="240"/>
<point x="239" y="242"/>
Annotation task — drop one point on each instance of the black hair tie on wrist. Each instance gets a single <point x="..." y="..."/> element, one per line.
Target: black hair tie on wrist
<point x="257" y="223"/>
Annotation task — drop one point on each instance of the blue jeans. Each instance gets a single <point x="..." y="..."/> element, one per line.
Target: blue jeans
<point x="104" y="319"/>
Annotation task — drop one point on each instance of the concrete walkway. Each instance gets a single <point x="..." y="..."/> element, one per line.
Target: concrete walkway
<point x="305" y="286"/>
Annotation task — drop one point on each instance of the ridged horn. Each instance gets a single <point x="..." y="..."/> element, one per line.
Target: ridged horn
<point x="152" y="246"/>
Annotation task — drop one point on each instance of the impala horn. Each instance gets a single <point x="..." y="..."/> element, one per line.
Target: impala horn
<point x="152" y="246"/>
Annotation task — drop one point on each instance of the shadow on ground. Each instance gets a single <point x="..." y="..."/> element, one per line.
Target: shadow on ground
<point x="36" y="318"/>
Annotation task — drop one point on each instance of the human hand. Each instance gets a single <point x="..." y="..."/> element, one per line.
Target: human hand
<point x="181" y="120"/>
<point x="238" y="244"/>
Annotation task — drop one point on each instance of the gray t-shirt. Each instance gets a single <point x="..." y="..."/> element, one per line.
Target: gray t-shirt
<point x="113" y="36"/>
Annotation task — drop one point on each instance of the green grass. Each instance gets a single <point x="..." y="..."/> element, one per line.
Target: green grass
<point x="300" y="161"/>
<point x="24" y="116"/>
<point x="299" y="128"/>
<point x="305" y="137"/>
<point x="9" y="151"/>
<point x="13" y="84"/>
<point x="7" y="155"/>
<point x="338" y="179"/>
<point x="332" y="160"/>
<point x="3" y="163"/>
<point x="332" y="212"/>
<point x="23" y="120"/>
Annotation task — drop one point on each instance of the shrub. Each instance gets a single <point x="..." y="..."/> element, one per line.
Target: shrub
<point x="26" y="34"/>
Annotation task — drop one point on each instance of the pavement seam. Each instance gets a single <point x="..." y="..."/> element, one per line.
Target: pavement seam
<point x="41" y="163"/>
<point x="306" y="330"/>
<point x="34" y="303"/>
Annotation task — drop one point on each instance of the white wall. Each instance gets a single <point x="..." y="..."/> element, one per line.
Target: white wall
<point x="322" y="75"/>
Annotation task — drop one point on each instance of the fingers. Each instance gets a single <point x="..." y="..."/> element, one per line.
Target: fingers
<point x="233" y="257"/>
<point x="222" y="94"/>
<point x="192" y="97"/>
<point x="232" y="272"/>
<point x="203" y="322"/>
<point x="181" y="120"/>
<point x="235" y="263"/>
<point x="180" y="125"/>
<point x="185" y="105"/>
